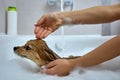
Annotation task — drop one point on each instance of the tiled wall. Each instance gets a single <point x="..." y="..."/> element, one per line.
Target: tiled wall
<point x="29" y="11"/>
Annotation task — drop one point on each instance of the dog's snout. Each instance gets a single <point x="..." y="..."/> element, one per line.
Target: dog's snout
<point x="15" y="48"/>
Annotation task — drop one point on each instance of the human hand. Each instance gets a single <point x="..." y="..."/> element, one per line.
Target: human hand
<point x="47" y="24"/>
<point x="60" y="67"/>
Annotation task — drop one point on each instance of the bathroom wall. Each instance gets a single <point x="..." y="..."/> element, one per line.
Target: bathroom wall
<point x="2" y="17"/>
<point x="29" y="11"/>
<point x="115" y="26"/>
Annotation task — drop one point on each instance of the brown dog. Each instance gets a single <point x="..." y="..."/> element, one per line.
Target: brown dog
<point x="38" y="51"/>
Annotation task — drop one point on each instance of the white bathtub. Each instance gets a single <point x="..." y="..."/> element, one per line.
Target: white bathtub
<point x="13" y="67"/>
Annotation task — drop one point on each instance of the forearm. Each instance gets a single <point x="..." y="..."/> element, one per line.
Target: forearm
<point x="94" y="15"/>
<point x="105" y="52"/>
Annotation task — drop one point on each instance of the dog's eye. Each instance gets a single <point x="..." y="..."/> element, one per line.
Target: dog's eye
<point x="28" y="48"/>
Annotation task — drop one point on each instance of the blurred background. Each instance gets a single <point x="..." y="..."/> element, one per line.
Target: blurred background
<point x="29" y="11"/>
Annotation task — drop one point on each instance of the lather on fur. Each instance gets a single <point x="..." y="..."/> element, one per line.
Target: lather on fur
<point x="38" y="51"/>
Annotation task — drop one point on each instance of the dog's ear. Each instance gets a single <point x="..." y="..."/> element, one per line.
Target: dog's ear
<point x="45" y="52"/>
<point x="48" y="55"/>
<point x="51" y="55"/>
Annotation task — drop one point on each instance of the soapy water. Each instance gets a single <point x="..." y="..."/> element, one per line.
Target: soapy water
<point x="17" y="68"/>
<point x="107" y="71"/>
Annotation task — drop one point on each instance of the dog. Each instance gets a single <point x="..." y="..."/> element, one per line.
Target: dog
<point x="38" y="51"/>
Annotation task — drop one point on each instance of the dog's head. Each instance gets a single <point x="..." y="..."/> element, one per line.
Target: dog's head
<point x="37" y="51"/>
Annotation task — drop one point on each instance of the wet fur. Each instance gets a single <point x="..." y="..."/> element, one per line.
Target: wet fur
<point x="38" y="51"/>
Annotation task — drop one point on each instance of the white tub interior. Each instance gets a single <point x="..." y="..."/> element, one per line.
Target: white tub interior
<point x="13" y="67"/>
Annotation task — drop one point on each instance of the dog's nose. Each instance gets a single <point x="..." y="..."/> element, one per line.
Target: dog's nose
<point x="15" y="48"/>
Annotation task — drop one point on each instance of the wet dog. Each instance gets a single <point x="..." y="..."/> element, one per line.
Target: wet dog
<point x="38" y="51"/>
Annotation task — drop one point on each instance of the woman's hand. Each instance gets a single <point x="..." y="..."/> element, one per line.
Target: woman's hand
<point x="60" y="67"/>
<point x="47" y="24"/>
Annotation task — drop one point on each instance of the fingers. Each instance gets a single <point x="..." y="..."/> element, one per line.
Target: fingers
<point x="51" y="64"/>
<point x="46" y="25"/>
<point x="58" y="67"/>
<point x="42" y="33"/>
<point x="38" y="24"/>
<point x="36" y="30"/>
<point x="50" y="68"/>
<point x="46" y="34"/>
<point x="50" y="71"/>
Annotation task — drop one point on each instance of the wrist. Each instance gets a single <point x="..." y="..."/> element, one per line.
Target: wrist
<point x="73" y="63"/>
<point x="65" y="18"/>
<point x="78" y="62"/>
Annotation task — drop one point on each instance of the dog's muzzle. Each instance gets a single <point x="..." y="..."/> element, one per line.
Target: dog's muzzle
<point x="16" y="52"/>
<point x="15" y="48"/>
